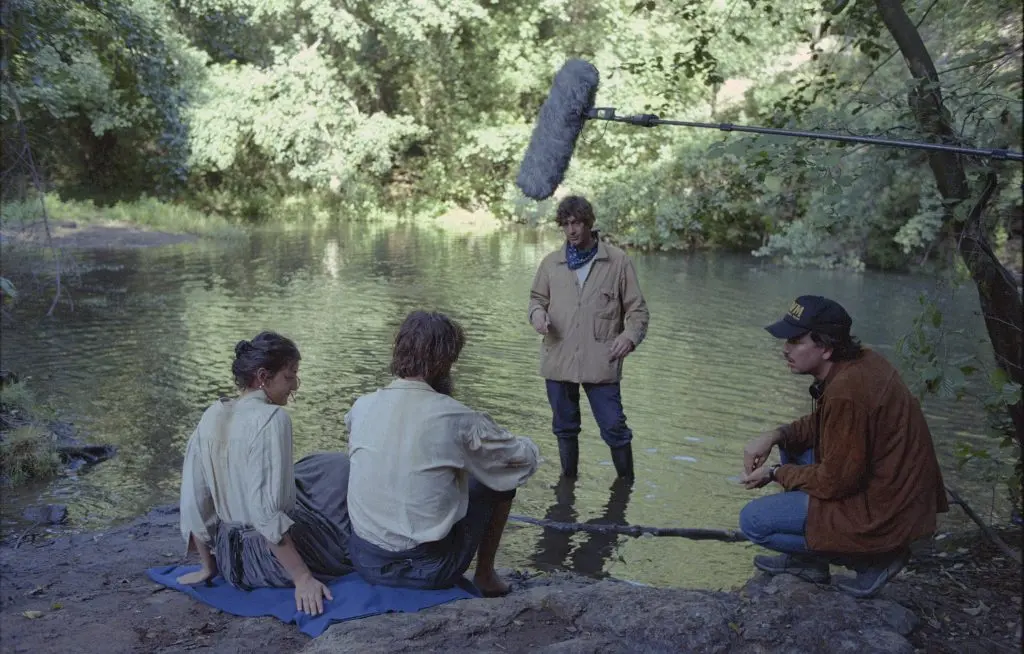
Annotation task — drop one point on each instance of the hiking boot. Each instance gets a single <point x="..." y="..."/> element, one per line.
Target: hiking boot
<point x="871" y="577"/>
<point x="807" y="568"/>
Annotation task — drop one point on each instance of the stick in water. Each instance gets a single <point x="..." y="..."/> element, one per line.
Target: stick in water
<point x="636" y="530"/>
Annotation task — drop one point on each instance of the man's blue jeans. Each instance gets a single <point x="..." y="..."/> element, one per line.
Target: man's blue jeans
<point x="605" y="402"/>
<point x="779" y="521"/>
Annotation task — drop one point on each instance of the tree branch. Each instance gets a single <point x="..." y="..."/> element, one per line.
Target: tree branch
<point x="997" y="290"/>
<point x="38" y="183"/>
<point x="635" y="530"/>
<point x="893" y="53"/>
<point x="990" y="533"/>
<point x="980" y="63"/>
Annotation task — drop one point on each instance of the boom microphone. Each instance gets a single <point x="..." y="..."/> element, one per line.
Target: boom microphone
<point x="571" y="102"/>
<point x="558" y="126"/>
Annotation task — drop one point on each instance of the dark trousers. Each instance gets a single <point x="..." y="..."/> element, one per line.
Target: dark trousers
<point x="439" y="564"/>
<point x="605" y="402"/>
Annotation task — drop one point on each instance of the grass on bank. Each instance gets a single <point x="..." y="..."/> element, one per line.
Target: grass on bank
<point x="145" y="212"/>
<point x="27" y="453"/>
<point x="292" y="212"/>
<point x="28" y="450"/>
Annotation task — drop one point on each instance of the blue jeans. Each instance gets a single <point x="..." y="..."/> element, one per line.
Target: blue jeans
<point x="779" y="522"/>
<point x="605" y="402"/>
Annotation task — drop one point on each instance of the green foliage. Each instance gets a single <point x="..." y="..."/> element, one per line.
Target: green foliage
<point x="99" y="87"/>
<point x="27" y="453"/>
<point x="8" y="294"/>
<point x="362" y="105"/>
<point x="930" y="353"/>
<point x="27" y="449"/>
<point x="892" y="210"/>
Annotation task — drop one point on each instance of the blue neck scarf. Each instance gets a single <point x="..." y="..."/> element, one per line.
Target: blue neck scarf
<point x="578" y="258"/>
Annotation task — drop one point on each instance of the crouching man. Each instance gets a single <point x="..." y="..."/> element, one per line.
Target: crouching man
<point x="431" y="481"/>
<point x="860" y="473"/>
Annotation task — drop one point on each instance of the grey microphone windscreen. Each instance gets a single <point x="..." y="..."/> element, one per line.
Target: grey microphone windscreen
<point x="558" y="126"/>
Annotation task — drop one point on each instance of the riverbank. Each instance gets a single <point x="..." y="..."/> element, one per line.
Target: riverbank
<point x="146" y="222"/>
<point x="35" y="446"/>
<point x="75" y="224"/>
<point x="57" y="595"/>
<point x="93" y="236"/>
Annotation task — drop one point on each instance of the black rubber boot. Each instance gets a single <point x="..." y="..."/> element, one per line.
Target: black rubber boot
<point x="622" y="457"/>
<point x="569" y="454"/>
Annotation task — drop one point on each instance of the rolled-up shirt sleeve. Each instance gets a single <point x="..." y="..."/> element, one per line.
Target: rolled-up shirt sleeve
<point x="497" y="458"/>
<point x="272" y="474"/>
<point x="197" y="511"/>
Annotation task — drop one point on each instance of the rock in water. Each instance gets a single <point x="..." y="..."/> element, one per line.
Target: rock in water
<point x="49" y="514"/>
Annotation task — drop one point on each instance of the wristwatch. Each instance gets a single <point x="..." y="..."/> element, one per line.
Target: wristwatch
<point x="771" y="471"/>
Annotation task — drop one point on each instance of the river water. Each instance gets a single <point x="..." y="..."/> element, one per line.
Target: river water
<point x="150" y="345"/>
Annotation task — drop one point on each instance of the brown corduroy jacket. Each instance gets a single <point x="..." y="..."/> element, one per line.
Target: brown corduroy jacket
<point x="875" y="485"/>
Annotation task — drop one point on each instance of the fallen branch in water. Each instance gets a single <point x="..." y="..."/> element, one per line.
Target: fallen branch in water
<point x="25" y="533"/>
<point x="734" y="536"/>
<point x="636" y="530"/>
<point x="990" y="533"/>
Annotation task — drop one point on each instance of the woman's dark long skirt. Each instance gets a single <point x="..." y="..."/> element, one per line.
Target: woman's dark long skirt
<point x="320" y="533"/>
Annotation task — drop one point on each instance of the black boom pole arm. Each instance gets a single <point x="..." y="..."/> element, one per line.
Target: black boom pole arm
<point x="652" y="120"/>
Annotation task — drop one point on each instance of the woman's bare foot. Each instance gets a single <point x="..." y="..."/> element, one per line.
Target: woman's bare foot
<point x="490" y="584"/>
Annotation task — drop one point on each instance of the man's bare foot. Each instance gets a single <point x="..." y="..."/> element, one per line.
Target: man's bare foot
<point x="490" y="584"/>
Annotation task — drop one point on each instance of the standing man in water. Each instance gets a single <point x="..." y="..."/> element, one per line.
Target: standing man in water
<point x="860" y="470"/>
<point x="587" y="304"/>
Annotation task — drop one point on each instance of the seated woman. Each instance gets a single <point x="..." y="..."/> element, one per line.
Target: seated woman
<point x="248" y="511"/>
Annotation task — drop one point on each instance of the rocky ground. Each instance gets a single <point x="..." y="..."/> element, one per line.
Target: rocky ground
<point x="71" y="593"/>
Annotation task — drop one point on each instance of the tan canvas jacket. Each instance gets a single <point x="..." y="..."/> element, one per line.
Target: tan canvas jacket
<point x="585" y="321"/>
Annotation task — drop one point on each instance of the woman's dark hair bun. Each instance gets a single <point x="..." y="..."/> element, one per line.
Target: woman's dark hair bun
<point x="268" y="350"/>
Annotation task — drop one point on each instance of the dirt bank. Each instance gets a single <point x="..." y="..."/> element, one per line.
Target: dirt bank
<point x="72" y="235"/>
<point x="91" y="588"/>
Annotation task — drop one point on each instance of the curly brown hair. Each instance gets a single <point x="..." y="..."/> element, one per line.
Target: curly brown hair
<point x="574" y="206"/>
<point x="427" y="345"/>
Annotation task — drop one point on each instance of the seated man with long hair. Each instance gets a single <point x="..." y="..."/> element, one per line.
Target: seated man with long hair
<point x="431" y="480"/>
<point x="250" y="513"/>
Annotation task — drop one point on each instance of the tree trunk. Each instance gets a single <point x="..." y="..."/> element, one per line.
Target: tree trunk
<point x="1000" y="300"/>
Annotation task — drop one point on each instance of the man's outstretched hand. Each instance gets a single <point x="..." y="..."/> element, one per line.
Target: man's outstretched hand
<point x="621" y="346"/>
<point x="540" y="321"/>
<point x="756" y="452"/>
<point x="755" y="479"/>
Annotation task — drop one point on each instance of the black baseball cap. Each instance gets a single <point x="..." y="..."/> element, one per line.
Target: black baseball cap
<point x="812" y="313"/>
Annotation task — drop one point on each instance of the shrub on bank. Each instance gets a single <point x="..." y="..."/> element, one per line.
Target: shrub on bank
<point x="27" y="453"/>
<point x="28" y="450"/>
